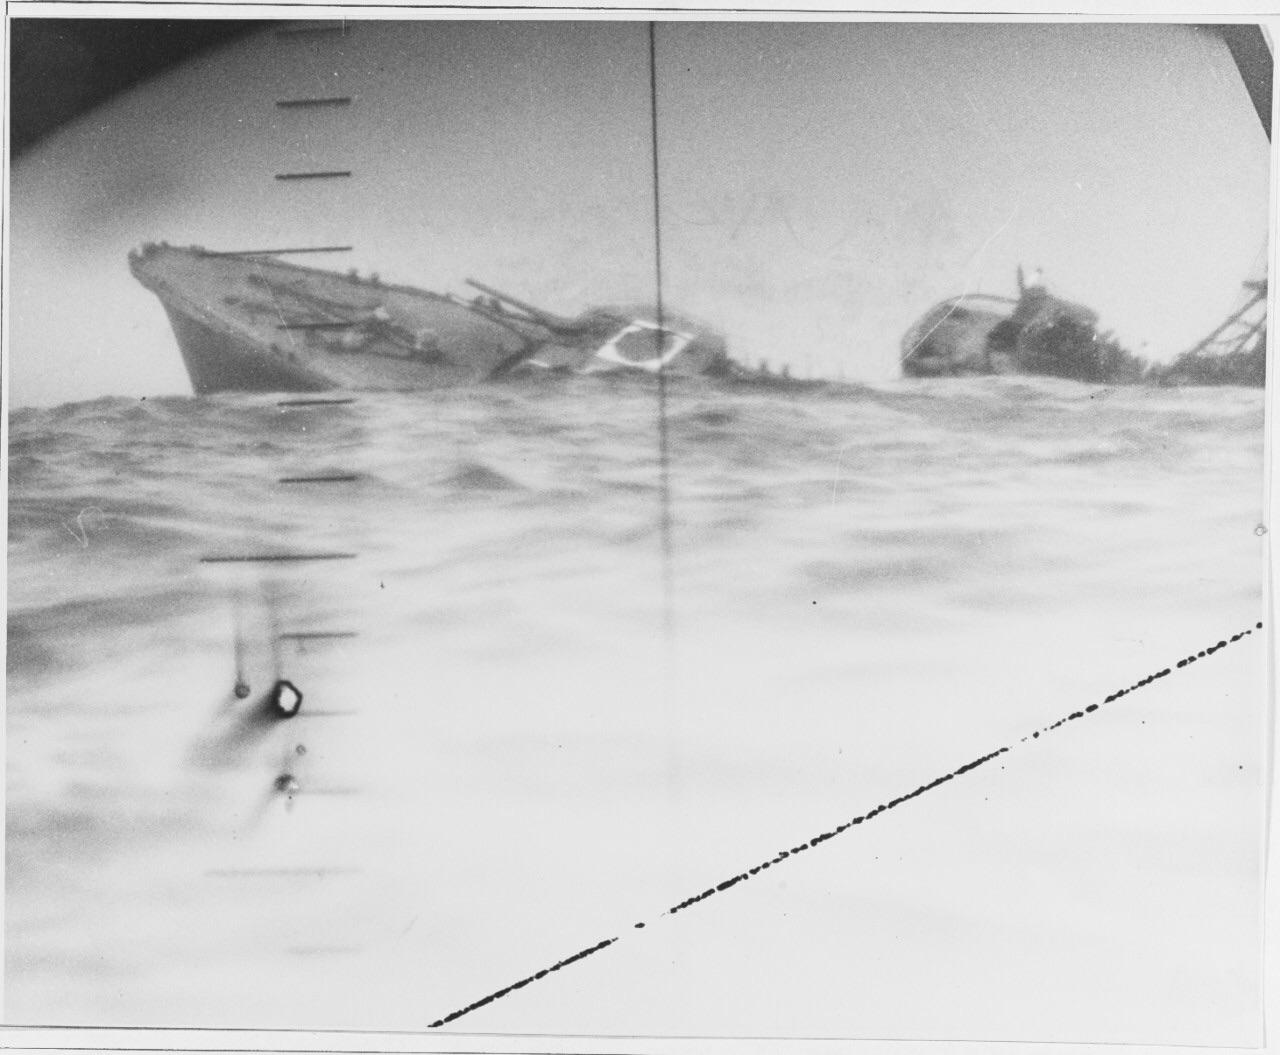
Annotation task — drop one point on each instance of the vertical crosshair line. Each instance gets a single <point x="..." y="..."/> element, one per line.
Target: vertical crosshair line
<point x="664" y="452"/>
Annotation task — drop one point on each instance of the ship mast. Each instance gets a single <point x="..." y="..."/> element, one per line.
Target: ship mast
<point x="1241" y="330"/>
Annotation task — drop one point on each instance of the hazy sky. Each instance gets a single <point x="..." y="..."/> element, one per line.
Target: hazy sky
<point x="822" y="183"/>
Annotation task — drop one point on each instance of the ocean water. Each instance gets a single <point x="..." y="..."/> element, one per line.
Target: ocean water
<point x="518" y="744"/>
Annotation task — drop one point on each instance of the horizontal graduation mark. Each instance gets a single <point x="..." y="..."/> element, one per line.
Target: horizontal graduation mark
<point x="286" y="250"/>
<point x="273" y="873"/>
<point x="340" y="29"/>
<point x="335" y="478"/>
<point x="316" y="635"/>
<point x="318" y="174"/>
<point x="254" y="558"/>
<point x="314" y="402"/>
<point x="297" y="104"/>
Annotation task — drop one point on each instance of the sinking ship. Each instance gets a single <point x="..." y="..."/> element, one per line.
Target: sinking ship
<point x="1039" y="333"/>
<point x="253" y="322"/>
<point x="1034" y="333"/>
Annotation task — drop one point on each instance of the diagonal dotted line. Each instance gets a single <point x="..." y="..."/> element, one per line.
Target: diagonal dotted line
<point x="818" y="840"/>
<point x="525" y="981"/>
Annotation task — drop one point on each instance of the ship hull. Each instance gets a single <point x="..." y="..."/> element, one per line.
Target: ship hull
<point x="255" y="323"/>
<point x="248" y="322"/>
<point x="952" y="340"/>
<point x="1037" y="334"/>
<point x="220" y="362"/>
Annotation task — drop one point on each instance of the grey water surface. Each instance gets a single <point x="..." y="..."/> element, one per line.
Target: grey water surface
<point x="502" y="758"/>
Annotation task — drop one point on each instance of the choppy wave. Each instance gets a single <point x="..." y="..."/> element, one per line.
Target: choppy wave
<point x="937" y="544"/>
